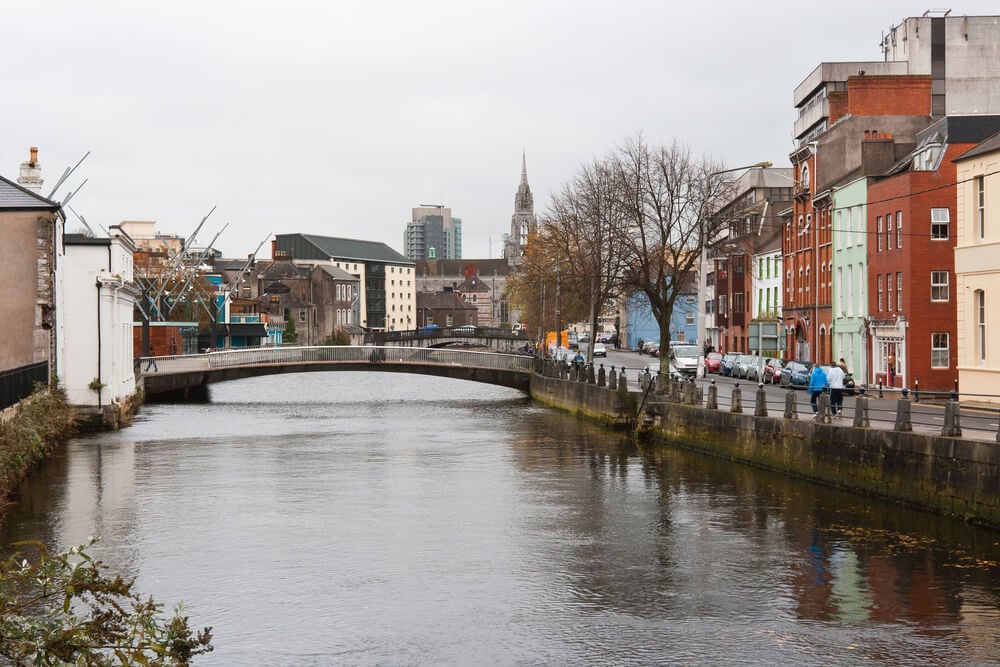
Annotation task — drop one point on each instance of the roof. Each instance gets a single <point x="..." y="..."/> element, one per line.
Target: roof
<point x="987" y="146"/>
<point x="446" y="300"/>
<point x="456" y="267"/>
<point x="350" y="249"/>
<point x="15" y="197"/>
<point x="337" y="273"/>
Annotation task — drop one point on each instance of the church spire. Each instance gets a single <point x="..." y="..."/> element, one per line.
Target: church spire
<point x="523" y="200"/>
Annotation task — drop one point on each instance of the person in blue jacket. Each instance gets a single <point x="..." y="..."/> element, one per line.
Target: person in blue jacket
<point x="817" y="385"/>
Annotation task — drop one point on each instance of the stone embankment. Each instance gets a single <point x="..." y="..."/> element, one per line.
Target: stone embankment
<point x="948" y="474"/>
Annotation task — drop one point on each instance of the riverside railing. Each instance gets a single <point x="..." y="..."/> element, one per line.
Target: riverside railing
<point x="16" y="384"/>
<point x="353" y="354"/>
<point x="901" y="412"/>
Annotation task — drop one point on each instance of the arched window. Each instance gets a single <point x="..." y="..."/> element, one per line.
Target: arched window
<point x="804" y="177"/>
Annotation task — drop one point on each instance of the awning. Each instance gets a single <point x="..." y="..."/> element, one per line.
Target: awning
<point x="249" y="330"/>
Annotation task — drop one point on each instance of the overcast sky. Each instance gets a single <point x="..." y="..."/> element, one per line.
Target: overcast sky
<point x="337" y="118"/>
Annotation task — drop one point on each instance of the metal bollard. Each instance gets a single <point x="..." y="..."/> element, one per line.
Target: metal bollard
<point x="880" y="395"/>
<point x="689" y="388"/>
<point x="713" y="401"/>
<point x="613" y="379"/>
<point x="903" y="422"/>
<point x="601" y="379"/>
<point x="760" y="403"/>
<point x="791" y="405"/>
<point x="622" y="382"/>
<point x="736" y="405"/>
<point x="916" y="390"/>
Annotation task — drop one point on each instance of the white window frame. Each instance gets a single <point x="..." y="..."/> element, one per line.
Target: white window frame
<point x="940" y="281"/>
<point x="940" y="220"/>
<point x="979" y="303"/>
<point x="938" y="350"/>
<point x="899" y="230"/>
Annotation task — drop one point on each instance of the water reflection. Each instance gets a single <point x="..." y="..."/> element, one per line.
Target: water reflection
<point x="387" y="519"/>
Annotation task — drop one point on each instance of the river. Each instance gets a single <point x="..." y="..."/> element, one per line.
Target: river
<point x="392" y="519"/>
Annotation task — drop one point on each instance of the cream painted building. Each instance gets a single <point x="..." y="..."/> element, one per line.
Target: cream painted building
<point x="977" y="271"/>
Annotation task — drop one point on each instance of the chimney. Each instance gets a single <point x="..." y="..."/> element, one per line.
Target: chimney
<point x="31" y="173"/>
<point x="274" y="247"/>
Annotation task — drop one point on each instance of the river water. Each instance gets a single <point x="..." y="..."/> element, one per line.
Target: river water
<point x="392" y="519"/>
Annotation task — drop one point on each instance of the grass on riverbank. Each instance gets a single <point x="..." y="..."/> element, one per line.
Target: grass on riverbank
<point x="43" y="421"/>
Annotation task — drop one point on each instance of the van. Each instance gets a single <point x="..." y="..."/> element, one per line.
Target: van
<point x="685" y="358"/>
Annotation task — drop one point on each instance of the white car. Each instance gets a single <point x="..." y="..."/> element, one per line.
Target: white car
<point x="600" y="350"/>
<point x="685" y="358"/>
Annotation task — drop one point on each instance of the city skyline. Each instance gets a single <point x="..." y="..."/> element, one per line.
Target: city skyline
<point x="338" y="121"/>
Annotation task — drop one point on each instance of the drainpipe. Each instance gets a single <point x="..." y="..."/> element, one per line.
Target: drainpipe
<point x="99" y="344"/>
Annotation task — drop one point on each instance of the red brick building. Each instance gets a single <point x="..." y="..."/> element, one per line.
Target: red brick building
<point x="911" y="226"/>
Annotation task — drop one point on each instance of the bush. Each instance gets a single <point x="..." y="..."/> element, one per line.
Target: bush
<point x="62" y="609"/>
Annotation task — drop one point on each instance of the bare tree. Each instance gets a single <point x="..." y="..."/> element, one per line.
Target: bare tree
<point x="667" y="195"/>
<point x="586" y="229"/>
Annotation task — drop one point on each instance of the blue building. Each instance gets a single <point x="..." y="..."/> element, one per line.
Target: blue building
<point x="640" y="323"/>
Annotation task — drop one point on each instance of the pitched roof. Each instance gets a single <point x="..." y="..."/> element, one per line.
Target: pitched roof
<point x="987" y="146"/>
<point x="15" y="197"/>
<point x="354" y="249"/>
<point x="337" y="273"/>
<point x="456" y="267"/>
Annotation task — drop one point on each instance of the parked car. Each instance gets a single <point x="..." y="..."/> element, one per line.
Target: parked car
<point x="728" y="363"/>
<point x="772" y="371"/>
<point x="755" y="368"/>
<point x="795" y="374"/>
<point x="600" y="350"/>
<point x="713" y="361"/>
<point x="742" y="365"/>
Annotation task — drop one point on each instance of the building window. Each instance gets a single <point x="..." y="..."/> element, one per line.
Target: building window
<point x="899" y="290"/>
<point x="888" y="290"/>
<point x="302" y="314"/>
<point x="939" y="350"/>
<point x="738" y="302"/>
<point x="878" y="234"/>
<point x="899" y="229"/>
<point x="981" y="206"/>
<point x="722" y="304"/>
<point x="979" y="302"/>
<point x="450" y="320"/>
<point x="888" y="233"/>
<point x="939" y="285"/>
<point x="881" y="296"/>
<point x="689" y="317"/>
<point x="940" y="219"/>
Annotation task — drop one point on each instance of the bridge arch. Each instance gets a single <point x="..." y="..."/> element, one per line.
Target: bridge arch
<point x="188" y="375"/>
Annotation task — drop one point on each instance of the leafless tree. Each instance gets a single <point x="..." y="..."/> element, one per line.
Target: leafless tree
<point x="667" y="195"/>
<point x="586" y="229"/>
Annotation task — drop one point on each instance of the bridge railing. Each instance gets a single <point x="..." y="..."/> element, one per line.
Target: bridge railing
<point x="466" y="331"/>
<point x="258" y="356"/>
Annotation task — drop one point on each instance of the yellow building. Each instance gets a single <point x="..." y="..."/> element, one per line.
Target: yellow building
<point x="977" y="271"/>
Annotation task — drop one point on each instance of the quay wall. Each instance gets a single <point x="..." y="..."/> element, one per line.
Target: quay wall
<point x="948" y="475"/>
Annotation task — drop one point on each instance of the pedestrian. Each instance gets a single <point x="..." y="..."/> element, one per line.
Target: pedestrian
<point x="817" y="385"/>
<point x="843" y="366"/>
<point x="891" y="369"/>
<point x="640" y="346"/>
<point x="835" y="378"/>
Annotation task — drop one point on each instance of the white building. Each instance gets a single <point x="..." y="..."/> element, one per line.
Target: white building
<point x="96" y="295"/>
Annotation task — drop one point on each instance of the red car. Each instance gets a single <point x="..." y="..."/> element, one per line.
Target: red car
<point x="712" y="362"/>
<point x="772" y="371"/>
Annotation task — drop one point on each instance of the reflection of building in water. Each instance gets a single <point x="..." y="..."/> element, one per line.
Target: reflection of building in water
<point x="850" y="594"/>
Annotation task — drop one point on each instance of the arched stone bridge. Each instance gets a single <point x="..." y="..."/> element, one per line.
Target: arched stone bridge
<point x="501" y="340"/>
<point x="188" y="376"/>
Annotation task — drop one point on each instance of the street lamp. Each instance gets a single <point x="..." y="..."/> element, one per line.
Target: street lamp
<point x="702" y="268"/>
